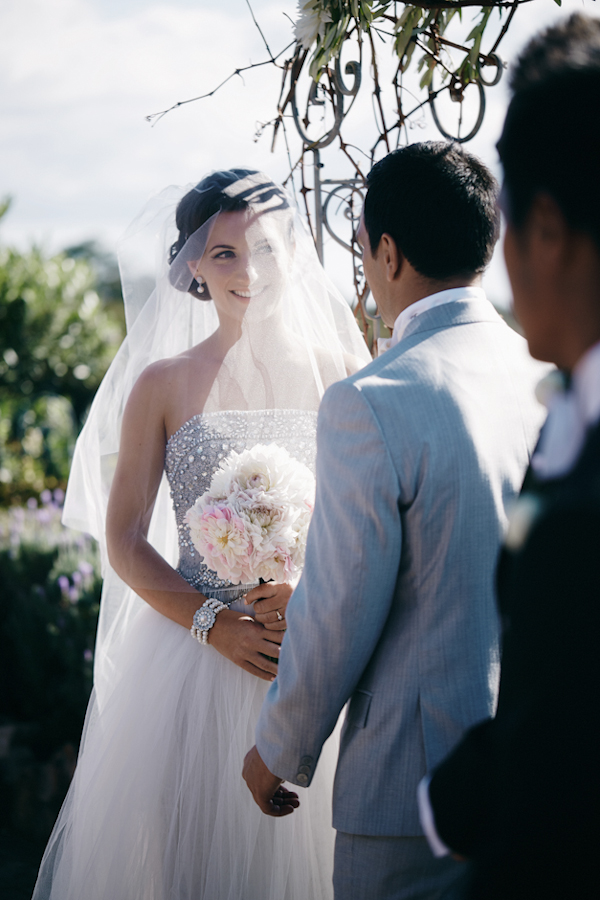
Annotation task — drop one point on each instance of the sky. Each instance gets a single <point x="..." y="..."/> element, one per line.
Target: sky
<point x="78" y="78"/>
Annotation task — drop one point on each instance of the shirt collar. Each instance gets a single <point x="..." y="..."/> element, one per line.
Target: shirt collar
<point x="421" y="306"/>
<point x="570" y="413"/>
<point x="586" y="384"/>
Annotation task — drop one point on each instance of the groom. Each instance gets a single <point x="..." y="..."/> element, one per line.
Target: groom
<point x="417" y="456"/>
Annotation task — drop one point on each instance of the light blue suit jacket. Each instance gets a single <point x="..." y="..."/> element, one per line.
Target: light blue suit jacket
<point x="418" y="455"/>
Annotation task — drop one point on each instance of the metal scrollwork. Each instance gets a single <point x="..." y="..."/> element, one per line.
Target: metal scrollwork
<point x="492" y="60"/>
<point x="320" y="95"/>
<point x="302" y="124"/>
<point x="332" y="195"/>
<point x="352" y="204"/>
<point x="351" y="194"/>
<point x="456" y="90"/>
<point x="334" y="96"/>
<point x="354" y="68"/>
<point x="331" y="91"/>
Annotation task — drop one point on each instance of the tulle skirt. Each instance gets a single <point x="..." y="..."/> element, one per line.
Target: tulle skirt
<point x="158" y="809"/>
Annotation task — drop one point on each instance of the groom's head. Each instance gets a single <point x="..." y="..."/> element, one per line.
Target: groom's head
<point x="435" y="206"/>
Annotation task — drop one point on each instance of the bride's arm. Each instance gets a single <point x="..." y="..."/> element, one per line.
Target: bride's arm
<point x="132" y="497"/>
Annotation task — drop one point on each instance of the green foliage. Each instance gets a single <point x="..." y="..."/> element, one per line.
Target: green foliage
<point x="329" y="21"/>
<point x="48" y="611"/>
<point x="60" y="325"/>
<point x="325" y="24"/>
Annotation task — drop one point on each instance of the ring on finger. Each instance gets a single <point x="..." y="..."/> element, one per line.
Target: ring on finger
<point x="279" y="616"/>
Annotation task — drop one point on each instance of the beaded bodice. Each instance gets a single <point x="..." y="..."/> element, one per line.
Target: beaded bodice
<point x="196" y="449"/>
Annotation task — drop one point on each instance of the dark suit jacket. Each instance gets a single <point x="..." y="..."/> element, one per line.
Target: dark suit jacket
<point x="520" y="795"/>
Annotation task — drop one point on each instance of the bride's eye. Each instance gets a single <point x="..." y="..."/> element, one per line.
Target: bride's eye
<point x="224" y="254"/>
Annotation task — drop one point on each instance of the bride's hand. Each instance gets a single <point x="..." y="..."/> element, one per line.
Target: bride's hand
<point x="270" y="602"/>
<point x="246" y="643"/>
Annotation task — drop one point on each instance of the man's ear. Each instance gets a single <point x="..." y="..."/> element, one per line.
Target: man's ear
<point x="391" y="257"/>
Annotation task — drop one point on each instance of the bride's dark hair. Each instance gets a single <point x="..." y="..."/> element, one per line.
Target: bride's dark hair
<point x="208" y="197"/>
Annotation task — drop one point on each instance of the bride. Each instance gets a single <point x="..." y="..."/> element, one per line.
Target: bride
<point x="157" y="809"/>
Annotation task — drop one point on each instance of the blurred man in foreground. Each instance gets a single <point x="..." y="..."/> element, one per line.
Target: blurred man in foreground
<point x="520" y="795"/>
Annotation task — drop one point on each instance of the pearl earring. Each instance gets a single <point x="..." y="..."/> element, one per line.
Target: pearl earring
<point x="200" y="285"/>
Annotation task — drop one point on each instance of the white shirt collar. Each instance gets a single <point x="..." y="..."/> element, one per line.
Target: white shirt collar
<point x="586" y="384"/>
<point x="570" y="414"/>
<point x="421" y="306"/>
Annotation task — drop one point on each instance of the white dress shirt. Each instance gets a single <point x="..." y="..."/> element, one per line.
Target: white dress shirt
<point x="420" y="306"/>
<point x="570" y="414"/>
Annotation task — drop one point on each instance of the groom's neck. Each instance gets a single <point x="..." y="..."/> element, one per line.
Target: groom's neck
<point x="411" y="286"/>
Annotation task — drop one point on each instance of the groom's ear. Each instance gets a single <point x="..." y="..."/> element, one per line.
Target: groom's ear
<point x="391" y="257"/>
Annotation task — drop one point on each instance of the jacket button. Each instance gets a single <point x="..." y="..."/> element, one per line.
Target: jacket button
<point x="301" y="778"/>
<point x="306" y="761"/>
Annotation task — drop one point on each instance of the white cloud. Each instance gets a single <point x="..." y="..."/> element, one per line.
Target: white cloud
<point x="76" y="151"/>
<point x="77" y="78"/>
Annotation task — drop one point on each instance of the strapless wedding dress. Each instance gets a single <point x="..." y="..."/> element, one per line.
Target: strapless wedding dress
<point x="158" y="809"/>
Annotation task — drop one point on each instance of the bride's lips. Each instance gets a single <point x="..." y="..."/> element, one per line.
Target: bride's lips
<point x="248" y="295"/>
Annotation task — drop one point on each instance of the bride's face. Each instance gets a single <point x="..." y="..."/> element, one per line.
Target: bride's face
<point x="244" y="265"/>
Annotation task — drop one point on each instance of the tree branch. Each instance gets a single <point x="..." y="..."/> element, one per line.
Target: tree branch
<point x="156" y="117"/>
<point x="260" y="30"/>
<point x="506" y="24"/>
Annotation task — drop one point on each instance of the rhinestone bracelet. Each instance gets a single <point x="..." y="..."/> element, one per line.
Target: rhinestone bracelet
<point x="205" y="618"/>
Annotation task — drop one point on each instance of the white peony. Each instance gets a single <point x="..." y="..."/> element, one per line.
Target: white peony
<point x="253" y="520"/>
<point x="224" y="539"/>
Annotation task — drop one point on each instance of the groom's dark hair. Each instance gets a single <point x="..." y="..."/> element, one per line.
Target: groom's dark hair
<point x="439" y="204"/>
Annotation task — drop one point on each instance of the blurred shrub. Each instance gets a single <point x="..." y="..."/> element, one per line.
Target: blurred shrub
<point x="49" y="599"/>
<point x="61" y="323"/>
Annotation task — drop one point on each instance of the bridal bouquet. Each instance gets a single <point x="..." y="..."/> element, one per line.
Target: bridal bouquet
<point x="253" y="520"/>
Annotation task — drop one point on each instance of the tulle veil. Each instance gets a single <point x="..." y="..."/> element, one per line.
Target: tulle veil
<point x="128" y="828"/>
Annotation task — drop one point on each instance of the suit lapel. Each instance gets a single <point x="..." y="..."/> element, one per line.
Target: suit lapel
<point x="580" y="485"/>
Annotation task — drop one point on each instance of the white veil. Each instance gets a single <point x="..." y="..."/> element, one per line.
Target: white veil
<point x="296" y="335"/>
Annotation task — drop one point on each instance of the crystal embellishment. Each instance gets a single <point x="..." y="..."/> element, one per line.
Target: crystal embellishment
<point x="205" y="618"/>
<point x="189" y="472"/>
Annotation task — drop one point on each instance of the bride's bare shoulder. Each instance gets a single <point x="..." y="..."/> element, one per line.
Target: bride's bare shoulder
<point x="165" y="372"/>
<point x="160" y="374"/>
<point x="175" y="388"/>
<point x="159" y="381"/>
